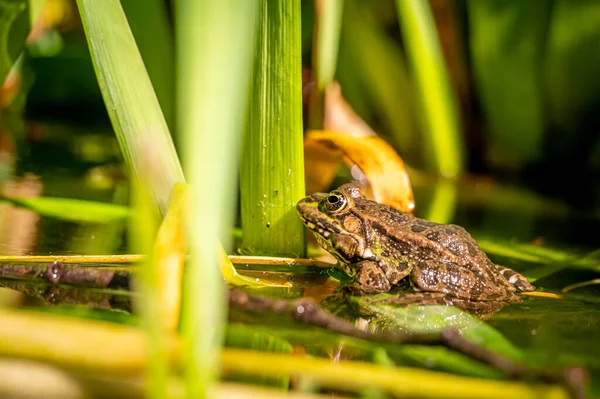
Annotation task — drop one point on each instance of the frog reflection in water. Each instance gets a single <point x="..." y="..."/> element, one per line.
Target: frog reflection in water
<point x="379" y="246"/>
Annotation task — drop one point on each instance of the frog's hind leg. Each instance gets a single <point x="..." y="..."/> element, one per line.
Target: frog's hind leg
<point x="370" y="279"/>
<point x="457" y="281"/>
<point x="514" y="278"/>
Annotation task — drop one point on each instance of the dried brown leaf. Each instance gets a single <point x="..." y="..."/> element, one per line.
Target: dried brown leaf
<point x="379" y="166"/>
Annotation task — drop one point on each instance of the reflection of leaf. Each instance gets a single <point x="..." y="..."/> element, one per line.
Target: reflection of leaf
<point x="383" y="168"/>
<point x="72" y="209"/>
<point x="14" y="25"/>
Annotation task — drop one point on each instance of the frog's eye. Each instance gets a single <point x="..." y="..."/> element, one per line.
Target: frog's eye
<point x="335" y="202"/>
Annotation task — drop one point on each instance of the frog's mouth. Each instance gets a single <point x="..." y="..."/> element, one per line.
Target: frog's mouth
<point x="313" y="219"/>
<point x="315" y="228"/>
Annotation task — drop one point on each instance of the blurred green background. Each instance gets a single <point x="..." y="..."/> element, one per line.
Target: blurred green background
<point x="524" y="75"/>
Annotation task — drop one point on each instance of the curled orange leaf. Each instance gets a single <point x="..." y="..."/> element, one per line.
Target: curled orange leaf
<point x="373" y="162"/>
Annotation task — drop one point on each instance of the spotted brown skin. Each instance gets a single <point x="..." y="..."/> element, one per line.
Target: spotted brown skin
<point x="379" y="246"/>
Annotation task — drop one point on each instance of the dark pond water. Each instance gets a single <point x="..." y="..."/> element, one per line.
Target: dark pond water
<point x="542" y="238"/>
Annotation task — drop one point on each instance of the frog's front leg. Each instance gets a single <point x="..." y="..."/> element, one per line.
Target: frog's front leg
<point x="369" y="279"/>
<point x="457" y="281"/>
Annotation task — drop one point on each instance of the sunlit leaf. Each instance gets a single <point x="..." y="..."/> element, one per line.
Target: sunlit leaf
<point x="382" y="167"/>
<point x="168" y="257"/>
<point x="72" y="209"/>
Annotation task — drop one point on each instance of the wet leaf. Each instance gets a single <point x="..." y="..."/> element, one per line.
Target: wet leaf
<point x="72" y="209"/>
<point x="379" y="165"/>
<point x="436" y="318"/>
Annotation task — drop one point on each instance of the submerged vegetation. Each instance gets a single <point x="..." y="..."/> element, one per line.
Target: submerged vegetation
<point x="153" y="153"/>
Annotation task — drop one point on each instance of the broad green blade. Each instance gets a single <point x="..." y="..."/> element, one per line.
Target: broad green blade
<point x="215" y="41"/>
<point x="440" y="111"/>
<point x="72" y="209"/>
<point x="129" y="97"/>
<point x="272" y="170"/>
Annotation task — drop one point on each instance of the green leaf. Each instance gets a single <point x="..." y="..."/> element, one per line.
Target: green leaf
<point x="215" y="43"/>
<point x="130" y="100"/>
<point x="374" y="78"/>
<point x="441" y="122"/>
<point x="14" y="27"/>
<point x="72" y="209"/>
<point x="434" y="318"/>
<point x="329" y="22"/>
<point x="153" y="33"/>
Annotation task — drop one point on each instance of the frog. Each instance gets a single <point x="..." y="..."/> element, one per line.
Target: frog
<point x="380" y="247"/>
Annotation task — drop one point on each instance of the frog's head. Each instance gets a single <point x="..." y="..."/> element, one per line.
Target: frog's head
<point x="333" y="219"/>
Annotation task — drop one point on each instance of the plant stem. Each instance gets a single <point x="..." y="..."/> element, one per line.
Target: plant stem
<point x="328" y="40"/>
<point x="143" y="228"/>
<point x="328" y="24"/>
<point x="58" y="340"/>
<point x="440" y="112"/>
<point x="215" y="41"/>
<point x="272" y="173"/>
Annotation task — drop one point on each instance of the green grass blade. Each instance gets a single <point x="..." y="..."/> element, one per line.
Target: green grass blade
<point x="328" y="40"/>
<point x="14" y="27"/>
<point x="143" y="228"/>
<point x="129" y="97"/>
<point x="272" y="173"/>
<point x="72" y="209"/>
<point x="327" y="27"/>
<point x="440" y="111"/>
<point x="215" y="41"/>
<point x="149" y="21"/>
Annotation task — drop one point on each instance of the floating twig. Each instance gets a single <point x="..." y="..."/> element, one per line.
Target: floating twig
<point x="136" y="258"/>
<point x="308" y="311"/>
<point x="59" y="273"/>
